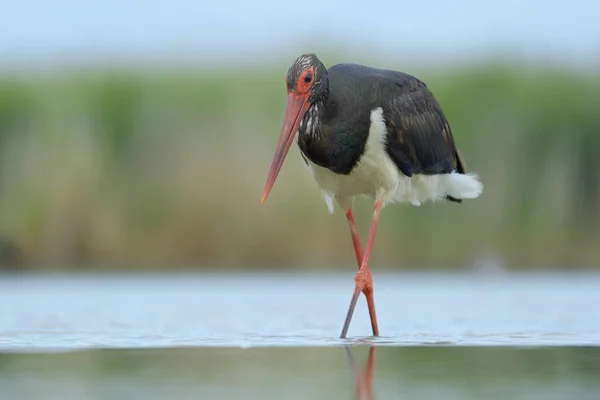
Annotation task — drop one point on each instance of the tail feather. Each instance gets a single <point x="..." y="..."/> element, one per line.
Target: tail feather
<point x="462" y="186"/>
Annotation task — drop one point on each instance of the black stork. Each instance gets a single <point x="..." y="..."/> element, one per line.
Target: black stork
<point x="365" y="131"/>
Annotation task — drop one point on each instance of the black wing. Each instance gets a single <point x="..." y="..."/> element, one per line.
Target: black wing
<point x="419" y="138"/>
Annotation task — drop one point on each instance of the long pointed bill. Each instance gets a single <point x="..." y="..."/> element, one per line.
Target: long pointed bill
<point x="296" y="107"/>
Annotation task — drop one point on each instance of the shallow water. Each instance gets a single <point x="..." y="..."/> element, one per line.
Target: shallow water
<point x="54" y="312"/>
<point x="275" y="336"/>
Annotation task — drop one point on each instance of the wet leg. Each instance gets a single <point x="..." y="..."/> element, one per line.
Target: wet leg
<point x="363" y="279"/>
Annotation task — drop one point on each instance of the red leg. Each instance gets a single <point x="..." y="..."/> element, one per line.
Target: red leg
<point x="363" y="279"/>
<point x="358" y="250"/>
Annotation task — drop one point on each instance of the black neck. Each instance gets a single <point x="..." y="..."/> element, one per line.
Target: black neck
<point x="334" y="130"/>
<point x="335" y="149"/>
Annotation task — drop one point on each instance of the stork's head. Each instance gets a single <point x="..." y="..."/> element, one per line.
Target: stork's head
<point x="307" y="83"/>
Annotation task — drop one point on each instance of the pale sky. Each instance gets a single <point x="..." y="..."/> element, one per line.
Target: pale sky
<point x="222" y="30"/>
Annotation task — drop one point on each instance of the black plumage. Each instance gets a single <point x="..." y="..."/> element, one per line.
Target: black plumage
<point x="419" y="139"/>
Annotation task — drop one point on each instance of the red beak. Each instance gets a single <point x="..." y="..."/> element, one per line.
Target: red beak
<point x="296" y="107"/>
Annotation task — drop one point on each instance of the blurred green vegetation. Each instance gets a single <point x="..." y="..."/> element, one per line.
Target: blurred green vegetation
<point x="165" y="169"/>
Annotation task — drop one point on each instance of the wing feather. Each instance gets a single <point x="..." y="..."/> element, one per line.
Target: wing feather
<point x="419" y="138"/>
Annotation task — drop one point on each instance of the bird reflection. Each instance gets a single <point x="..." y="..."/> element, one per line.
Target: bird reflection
<point x="363" y="379"/>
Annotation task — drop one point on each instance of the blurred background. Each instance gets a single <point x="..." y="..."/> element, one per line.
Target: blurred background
<point x="138" y="134"/>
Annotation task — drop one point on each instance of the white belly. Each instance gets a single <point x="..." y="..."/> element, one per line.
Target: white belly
<point x="377" y="176"/>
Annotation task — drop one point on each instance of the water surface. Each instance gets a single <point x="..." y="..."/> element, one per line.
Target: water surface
<point x="66" y="312"/>
<point x="275" y="336"/>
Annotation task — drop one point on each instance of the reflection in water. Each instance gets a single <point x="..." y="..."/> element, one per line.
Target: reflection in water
<point x="301" y="373"/>
<point x="363" y="379"/>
